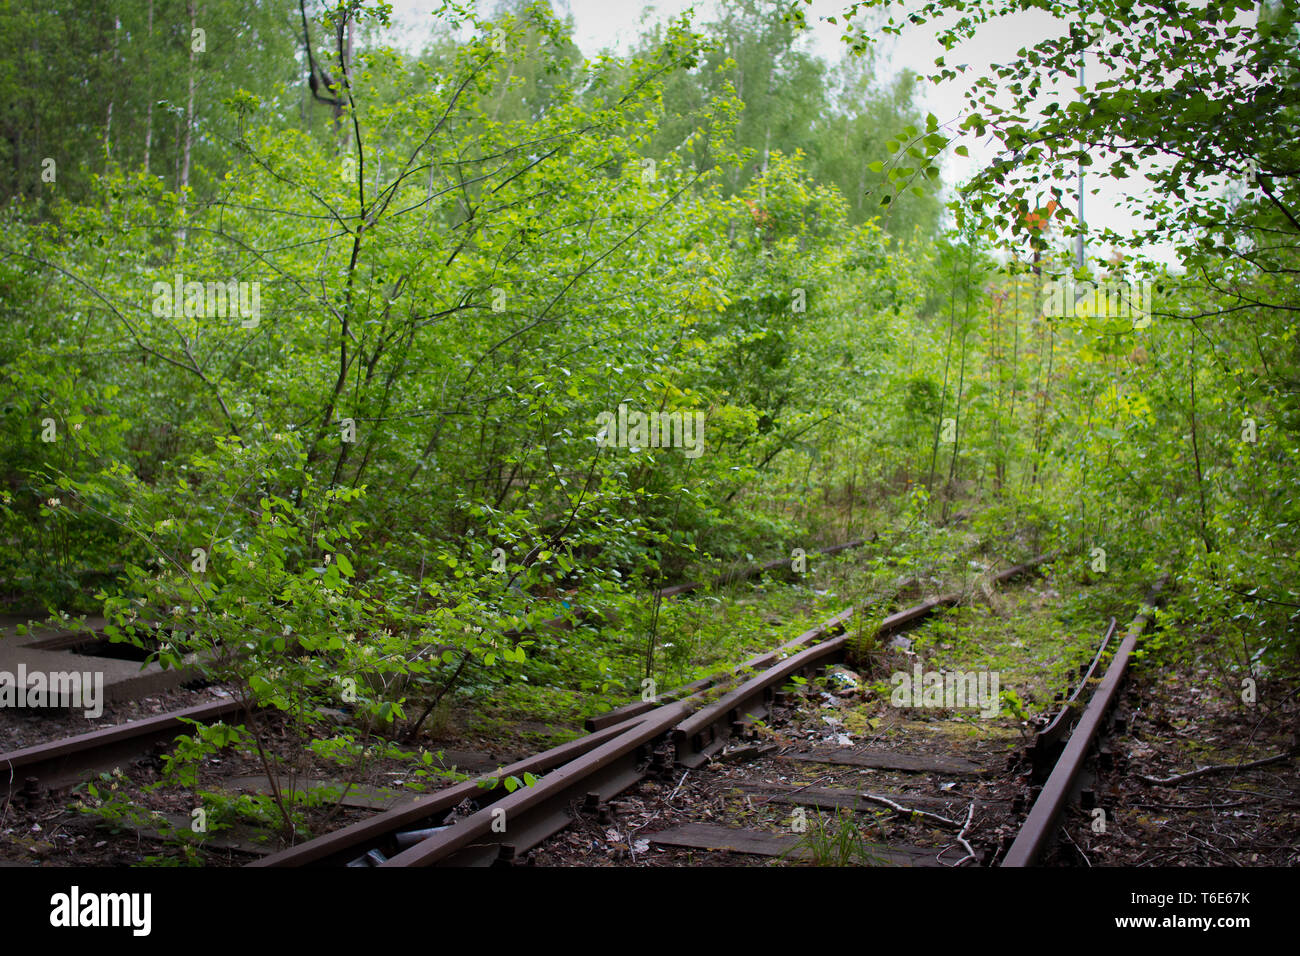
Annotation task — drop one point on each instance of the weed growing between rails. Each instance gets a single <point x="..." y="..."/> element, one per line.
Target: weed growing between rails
<point x="1030" y="636"/>
<point x="833" y="840"/>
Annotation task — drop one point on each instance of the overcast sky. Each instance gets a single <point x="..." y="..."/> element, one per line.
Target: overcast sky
<point x="614" y="24"/>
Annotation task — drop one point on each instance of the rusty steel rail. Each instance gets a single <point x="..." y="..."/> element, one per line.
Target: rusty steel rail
<point x="635" y="708"/>
<point x="61" y="762"/>
<point x="704" y="733"/>
<point x="832" y="626"/>
<point x="591" y="770"/>
<point x="1050" y="741"/>
<point x="380" y="832"/>
<point x="523" y="819"/>
<point x="893" y="624"/>
<point x="1040" y="825"/>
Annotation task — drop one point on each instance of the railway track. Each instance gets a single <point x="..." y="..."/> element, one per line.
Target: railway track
<point x="30" y="771"/>
<point x="481" y="823"/>
<point x="1084" y="727"/>
<point x="62" y="762"/>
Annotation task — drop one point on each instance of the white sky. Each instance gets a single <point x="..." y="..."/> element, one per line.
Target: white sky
<point x="613" y="24"/>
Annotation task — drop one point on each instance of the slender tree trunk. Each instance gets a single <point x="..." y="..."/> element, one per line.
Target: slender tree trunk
<point x="148" y="110"/>
<point x="961" y="382"/>
<point x="1083" y="474"/>
<point x="1040" y="427"/>
<point x="189" y="109"/>
<point x="999" y="438"/>
<point x="108" y="122"/>
<point x="345" y="66"/>
<point x="956" y="443"/>
<point x="1047" y="398"/>
<point x="183" y="181"/>
<point x="1196" y="452"/>
<point x="943" y="396"/>
<point x="1015" y="360"/>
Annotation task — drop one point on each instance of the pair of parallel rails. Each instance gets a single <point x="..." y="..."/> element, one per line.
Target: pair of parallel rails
<point x="623" y="748"/>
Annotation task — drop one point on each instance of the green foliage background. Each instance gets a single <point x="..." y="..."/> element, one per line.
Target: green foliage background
<point x="477" y="249"/>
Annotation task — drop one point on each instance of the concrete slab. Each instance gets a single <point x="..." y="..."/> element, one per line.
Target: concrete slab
<point x="122" y="680"/>
<point x="715" y="838"/>
<point x="889" y="760"/>
<point x="49" y="638"/>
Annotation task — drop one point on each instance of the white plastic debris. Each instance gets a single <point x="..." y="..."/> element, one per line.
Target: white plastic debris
<point x="844" y="676"/>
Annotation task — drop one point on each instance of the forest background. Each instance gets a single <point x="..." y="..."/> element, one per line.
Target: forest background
<point x="307" y="338"/>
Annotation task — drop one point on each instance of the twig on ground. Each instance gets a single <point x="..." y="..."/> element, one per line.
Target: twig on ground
<point x="1215" y="768"/>
<point x="924" y="814"/>
<point x="678" y="787"/>
<point x="1192" y="806"/>
<point x="1066" y="831"/>
<point x="961" y="837"/>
